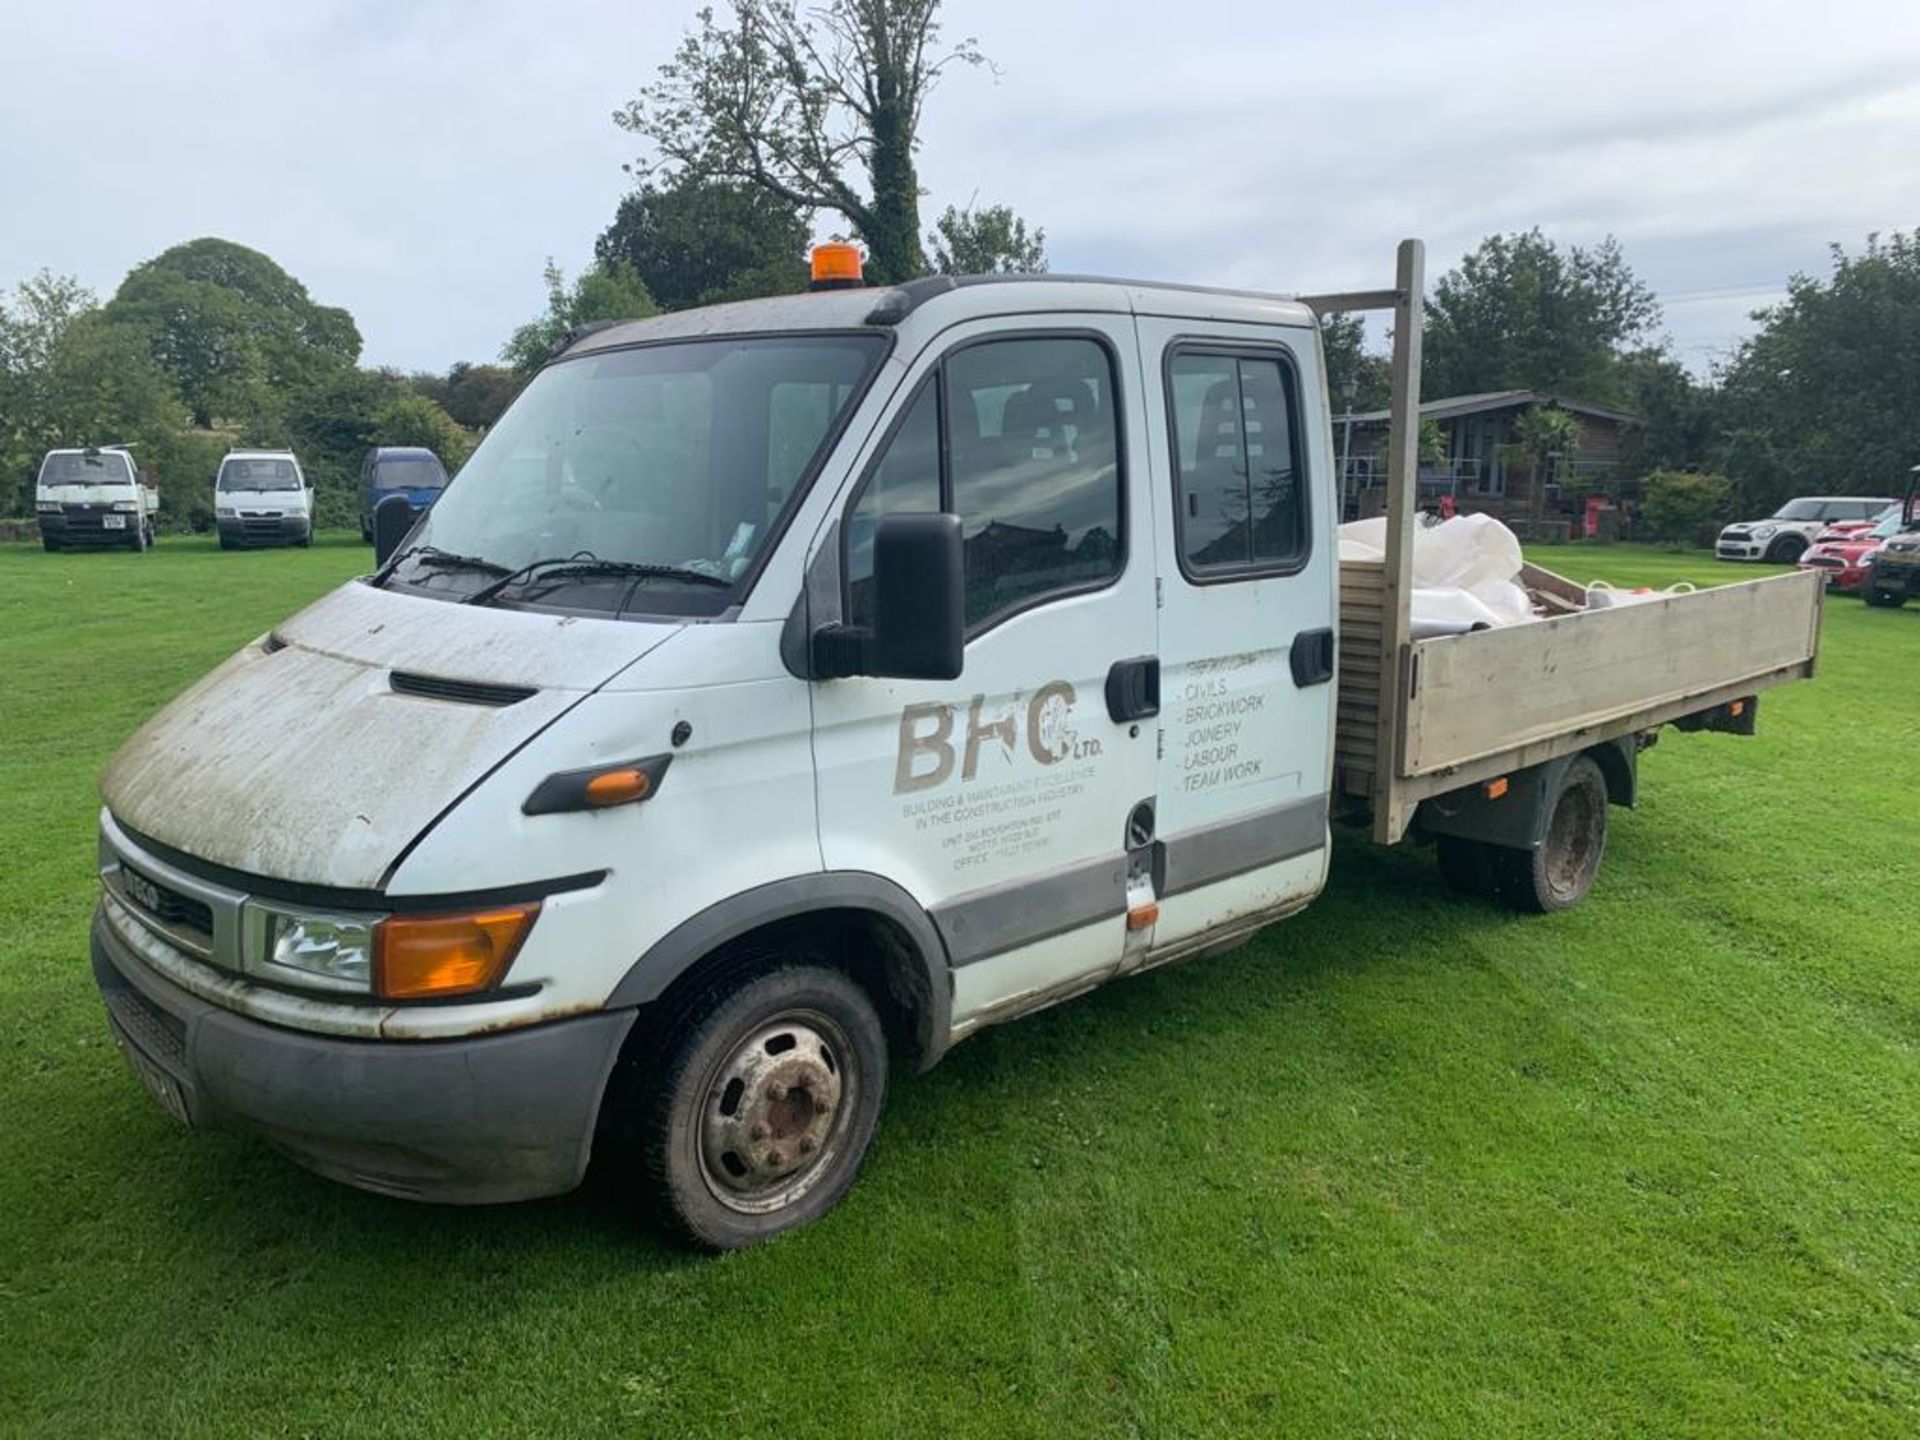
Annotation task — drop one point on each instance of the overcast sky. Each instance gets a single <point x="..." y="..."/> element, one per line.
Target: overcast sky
<point x="417" y="162"/>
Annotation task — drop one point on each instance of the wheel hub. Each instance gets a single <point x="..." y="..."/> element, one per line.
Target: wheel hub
<point x="770" y="1113"/>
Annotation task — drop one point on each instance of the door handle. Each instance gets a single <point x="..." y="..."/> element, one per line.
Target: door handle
<point x="1312" y="657"/>
<point x="1133" y="689"/>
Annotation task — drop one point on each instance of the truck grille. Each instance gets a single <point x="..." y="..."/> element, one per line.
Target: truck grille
<point x="166" y="904"/>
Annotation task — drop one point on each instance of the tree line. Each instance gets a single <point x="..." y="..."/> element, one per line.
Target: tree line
<point x="775" y="121"/>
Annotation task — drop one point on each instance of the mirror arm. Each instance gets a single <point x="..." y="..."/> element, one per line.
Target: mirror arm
<point x="842" y="650"/>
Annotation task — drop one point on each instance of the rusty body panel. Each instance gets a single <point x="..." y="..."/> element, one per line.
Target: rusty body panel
<point x="304" y="763"/>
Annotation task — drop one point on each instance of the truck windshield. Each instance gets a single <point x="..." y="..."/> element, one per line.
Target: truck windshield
<point x="75" y="467"/>
<point x="677" y="457"/>
<point x="409" y="472"/>
<point x="259" y="474"/>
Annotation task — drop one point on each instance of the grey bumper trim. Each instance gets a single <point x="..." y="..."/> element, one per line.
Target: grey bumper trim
<point x="509" y="1116"/>
<point x="1211" y="853"/>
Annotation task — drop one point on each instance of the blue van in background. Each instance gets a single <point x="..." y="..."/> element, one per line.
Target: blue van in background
<point x="410" y="470"/>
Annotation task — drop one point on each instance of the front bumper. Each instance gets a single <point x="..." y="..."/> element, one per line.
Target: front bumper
<point x="88" y="525"/>
<point x="476" y="1120"/>
<point x="263" y="529"/>
<point x="1741" y="549"/>
<point x="1885" y="579"/>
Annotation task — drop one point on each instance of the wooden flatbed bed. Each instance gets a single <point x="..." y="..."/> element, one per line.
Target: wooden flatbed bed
<point x="1423" y="718"/>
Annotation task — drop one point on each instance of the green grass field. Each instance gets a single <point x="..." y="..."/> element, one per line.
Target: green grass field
<point x="1405" y="1166"/>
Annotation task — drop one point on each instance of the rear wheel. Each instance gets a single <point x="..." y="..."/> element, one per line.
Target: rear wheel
<point x="1557" y="873"/>
<point x="763" y="1106"/>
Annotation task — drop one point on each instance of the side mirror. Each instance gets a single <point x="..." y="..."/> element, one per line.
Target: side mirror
<point x="919" y="607"/>
<point x="392" y="518"/>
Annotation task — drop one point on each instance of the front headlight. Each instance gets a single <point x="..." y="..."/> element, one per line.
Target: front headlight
<point x="224" y="512"/>
<point x="1761" y="532"/>
<point x="128" y="506"/>
<point x="332" y="952"/>
<point x="47" y="507"/>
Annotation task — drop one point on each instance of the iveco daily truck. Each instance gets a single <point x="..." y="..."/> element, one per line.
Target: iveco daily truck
<point x="787" y="690"/>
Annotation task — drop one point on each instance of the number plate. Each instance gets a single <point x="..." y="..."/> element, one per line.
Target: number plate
<point x="162" y="1086"/>
<point x="113" y="522"/>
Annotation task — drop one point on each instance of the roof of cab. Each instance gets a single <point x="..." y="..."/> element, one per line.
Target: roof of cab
<point x="948" y="298"/>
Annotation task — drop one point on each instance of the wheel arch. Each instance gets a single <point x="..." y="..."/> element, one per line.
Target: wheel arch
<point x="1517" y="818"/>
<point x="879" y="932"/>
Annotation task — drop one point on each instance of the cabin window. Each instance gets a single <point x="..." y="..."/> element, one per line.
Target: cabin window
<point x="1240" y="502"/>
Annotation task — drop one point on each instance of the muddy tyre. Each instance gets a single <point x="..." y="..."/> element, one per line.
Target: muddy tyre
<point x="1881" y="600"/>
<point x="762" y="1107"/>
<point x="1557" y="874"/>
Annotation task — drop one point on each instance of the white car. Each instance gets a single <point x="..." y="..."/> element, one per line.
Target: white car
<point x="1784" y="535"/>
<point x="94" y="497"/>
<point x="262" y="497"/>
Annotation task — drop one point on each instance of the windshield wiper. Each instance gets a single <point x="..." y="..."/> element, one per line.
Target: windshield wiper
<point x="563" y="566"/>
<point x="438" y="559"/>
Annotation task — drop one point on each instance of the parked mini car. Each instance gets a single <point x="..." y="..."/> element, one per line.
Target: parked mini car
<point x="410" y="470"/>
<point x="261" y="497"/>
<point x="1841" y="553"/>
<point x="94" y="497"/>
<point x="1784" y="535"/>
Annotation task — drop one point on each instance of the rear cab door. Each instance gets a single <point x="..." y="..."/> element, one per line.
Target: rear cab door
<point x="1000" y="800"/>
<point x="1244" y="503"/>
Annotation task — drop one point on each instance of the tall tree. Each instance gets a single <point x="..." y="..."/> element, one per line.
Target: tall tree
<point x="234" y="331"/>
<point x="1678" y="414"/>
<point x="795" y="101"/>
<point x="601" y="292"/>
<point x="1518" y="312"/>
<point x="33" y="322"/>
<point x="993" y="241"/>
<point x="701" y="242"/>
<point x="1356" y="379"/>
<point x="1823" y="397"/>
<point x="474" y="395"/>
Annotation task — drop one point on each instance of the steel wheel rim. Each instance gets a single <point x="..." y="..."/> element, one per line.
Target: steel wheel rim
<point x="774" y="1114"/>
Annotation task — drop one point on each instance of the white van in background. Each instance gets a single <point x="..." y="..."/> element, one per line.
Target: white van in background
<point x="94" y="497"/>
<point x="261" y="497"/>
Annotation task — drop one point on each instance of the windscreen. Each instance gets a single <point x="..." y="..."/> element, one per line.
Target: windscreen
<point x="409" y="472"/>
<point x="259" y="474"/>
<point x="682" y="458"/>
<point x="75" y="467"/>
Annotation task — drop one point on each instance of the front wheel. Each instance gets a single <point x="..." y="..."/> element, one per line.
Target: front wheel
<point x="1557" y="873"/>
<point x="51" y="545"/>
<point x="763" y="1107"/>
<point x="1881" y="599"/>
<point x="1787" y="550"/>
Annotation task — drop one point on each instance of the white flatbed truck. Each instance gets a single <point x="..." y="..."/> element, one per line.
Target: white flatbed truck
<point x="790" y="689"/>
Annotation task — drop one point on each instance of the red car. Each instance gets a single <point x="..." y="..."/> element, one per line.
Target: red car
<point x="1839" y="552"/>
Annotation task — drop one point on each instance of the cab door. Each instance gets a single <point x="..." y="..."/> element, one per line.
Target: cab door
<point x="1243" y="484"/>
<point x="1000" y="800"/>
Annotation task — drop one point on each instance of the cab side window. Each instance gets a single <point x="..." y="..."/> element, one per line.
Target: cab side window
<point x="1240" y="499"/>
<point x="1020" y="439"/>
